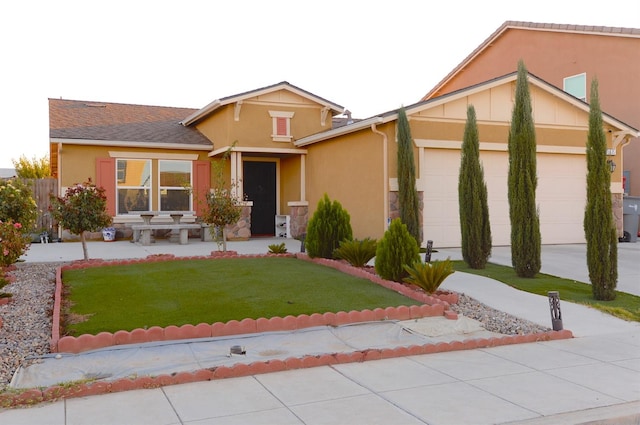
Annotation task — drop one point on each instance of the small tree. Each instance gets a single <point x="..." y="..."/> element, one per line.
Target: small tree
<point x="34" y="168"/>
<point x="599" y="226"/>
<point x="408" y="203"/>
<point x="472" y="199"/>
<point x="525" y="222"/>
<point x="83" y="208"/>
<point x="224" y="205"/>
<point x="329" y="225"/>
<point x="396" y="249"/>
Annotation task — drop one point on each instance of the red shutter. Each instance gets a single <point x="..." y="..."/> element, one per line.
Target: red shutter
<point x="201" y="185"/>
<point x="106" y="178"/>
<point x="281" y="126"/>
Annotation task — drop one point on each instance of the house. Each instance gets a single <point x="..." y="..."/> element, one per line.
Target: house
<point x="285" y="153"/>
<point x="570" y="57"/>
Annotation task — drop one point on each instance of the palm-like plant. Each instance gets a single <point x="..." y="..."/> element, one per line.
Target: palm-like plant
<point x="428" y="276"/>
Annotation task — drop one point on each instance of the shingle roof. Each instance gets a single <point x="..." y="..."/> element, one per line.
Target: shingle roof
<point x="73" y="119"/>
<point x="589" y="29"/>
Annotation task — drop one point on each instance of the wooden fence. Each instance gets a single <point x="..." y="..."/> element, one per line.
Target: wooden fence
<point x="42" y="189"/>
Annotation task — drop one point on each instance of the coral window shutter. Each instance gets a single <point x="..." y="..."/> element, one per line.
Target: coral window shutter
<point x="281" y="126"/>
<point x="106" y="178"/>
<point x="201" y="185"/>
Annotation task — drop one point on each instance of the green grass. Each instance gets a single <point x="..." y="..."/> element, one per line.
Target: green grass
<point x="625" y="306"/>
<point x="126" y="297"/>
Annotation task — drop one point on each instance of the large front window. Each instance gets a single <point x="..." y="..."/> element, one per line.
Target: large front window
<point x="133" y="185"/>
<point x="175" y="180"/>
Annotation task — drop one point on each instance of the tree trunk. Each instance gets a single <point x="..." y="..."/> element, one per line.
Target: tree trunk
<point x="84" y="246"/>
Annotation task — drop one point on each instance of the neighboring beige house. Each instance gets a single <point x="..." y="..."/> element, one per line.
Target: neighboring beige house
<point x="287" y="151"/>
<point x="570" y="57"/>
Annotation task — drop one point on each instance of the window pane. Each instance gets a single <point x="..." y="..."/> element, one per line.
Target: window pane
<point x="134" y="172"/>
<point x="576" y="86"/>
<point x="175" y="173"/>
<point x="175" y="200"/>
<point x="133" y="200"/>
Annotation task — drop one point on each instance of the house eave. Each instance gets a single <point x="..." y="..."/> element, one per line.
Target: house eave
<point x="129" y="144"/>
<point x="325" y="135"/>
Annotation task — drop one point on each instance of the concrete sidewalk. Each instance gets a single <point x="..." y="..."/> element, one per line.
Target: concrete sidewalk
<point x="593" y="377"/>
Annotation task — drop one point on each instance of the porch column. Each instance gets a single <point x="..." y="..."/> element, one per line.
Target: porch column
<point x="303" y="177"/>
<point x="237" y="188"/>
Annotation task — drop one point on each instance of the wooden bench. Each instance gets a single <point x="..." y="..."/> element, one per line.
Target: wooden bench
<point x="144" y="231"/>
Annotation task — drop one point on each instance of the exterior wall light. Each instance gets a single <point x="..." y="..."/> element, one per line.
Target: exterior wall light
<point x="612" y="165"/>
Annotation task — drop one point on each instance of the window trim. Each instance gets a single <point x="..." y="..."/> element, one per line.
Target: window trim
<point x="564" y="85"/>
<point x="119" y="186"/>
<point x="160" y="187"/>
<point x="275" y="116"/>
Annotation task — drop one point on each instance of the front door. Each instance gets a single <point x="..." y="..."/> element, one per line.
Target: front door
<point x="259" y="181"/>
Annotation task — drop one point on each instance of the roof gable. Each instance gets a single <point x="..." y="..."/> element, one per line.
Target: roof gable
<point x="282" y="92"/>
<point x="493" y="100"/>
<point x="532" y="26"/>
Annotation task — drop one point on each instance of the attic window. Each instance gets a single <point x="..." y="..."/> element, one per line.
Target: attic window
<point x="576" y="85"/>
<point x="281" y="126"/>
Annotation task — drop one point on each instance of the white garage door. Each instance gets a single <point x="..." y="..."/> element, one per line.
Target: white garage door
<point x="561" y="196"/>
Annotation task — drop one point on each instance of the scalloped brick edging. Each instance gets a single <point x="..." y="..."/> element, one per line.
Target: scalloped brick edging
<point x="432" y="306"/>
<point x="56" y="392"/>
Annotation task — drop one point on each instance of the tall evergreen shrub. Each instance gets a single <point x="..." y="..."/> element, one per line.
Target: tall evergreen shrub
<point x="525" y="221"/>
<point x="472" y="199"/>
<point x="408" y="202"/>
<point x="599" y="226"/>
<point x="330" y="225"/>
<point x="396" y="249"/>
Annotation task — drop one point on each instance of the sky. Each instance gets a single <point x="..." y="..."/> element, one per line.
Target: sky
<point x="368" y="56"/>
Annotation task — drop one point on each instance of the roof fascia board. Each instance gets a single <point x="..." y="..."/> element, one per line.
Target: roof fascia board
<point x="130" y="144"/>
<point x="318" y="137"/>
<point x="249" y="149"/>
<point x="248" y="95"/>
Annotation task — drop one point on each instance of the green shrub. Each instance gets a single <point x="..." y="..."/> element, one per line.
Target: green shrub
<point x="396" y="248"/>
<point x="330" y="225"/>
<point x="17" y="204"/>
<point x="356" y="252"/>
<point x="278" y="248"/>
<point x="428" y="276"/>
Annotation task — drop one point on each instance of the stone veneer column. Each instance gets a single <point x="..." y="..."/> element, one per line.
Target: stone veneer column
<point x="394" y="209"/>
<point x="241" y="231"/>
<point x="299" y="219"/>
<point x="617" y="206"/>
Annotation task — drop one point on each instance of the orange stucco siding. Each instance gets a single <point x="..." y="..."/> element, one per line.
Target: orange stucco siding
<point x="289" y="182"/>
<point x="555" y="55"/>
<point x="355" y="179"/>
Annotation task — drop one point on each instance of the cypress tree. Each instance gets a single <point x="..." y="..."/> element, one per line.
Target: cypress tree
<point x="525" y="222"/>
<point x="599" y="226"/>
<point x="407" y="194"/>
<point x="472" y="198"/>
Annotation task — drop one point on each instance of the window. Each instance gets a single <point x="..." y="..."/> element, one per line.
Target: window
<point x="133" y="185"/>
<point x="576" y="86"/>
<point x="281" y="126"/>
<point x="175" y="179"/>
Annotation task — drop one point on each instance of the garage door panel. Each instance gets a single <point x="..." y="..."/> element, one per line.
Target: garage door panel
<point x="560" y="196"/>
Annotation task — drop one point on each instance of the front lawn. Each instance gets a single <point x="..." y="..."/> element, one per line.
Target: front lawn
<point x="625" y="306"/>
<point x="125" y="297"/>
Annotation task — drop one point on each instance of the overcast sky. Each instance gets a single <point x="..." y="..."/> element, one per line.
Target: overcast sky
<point x="368" y="56"/>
